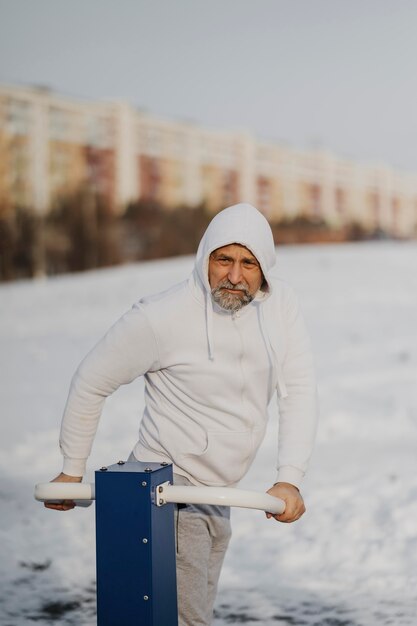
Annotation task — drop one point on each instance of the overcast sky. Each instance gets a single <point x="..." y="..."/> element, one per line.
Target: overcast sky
<point x="337" y="74"/>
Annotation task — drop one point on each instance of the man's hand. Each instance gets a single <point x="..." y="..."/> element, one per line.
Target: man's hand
<point x="65" y="505"/>
<point x="294" y="503"/>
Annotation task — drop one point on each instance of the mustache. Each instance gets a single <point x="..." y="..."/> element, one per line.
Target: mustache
<point x="226" y="284"/>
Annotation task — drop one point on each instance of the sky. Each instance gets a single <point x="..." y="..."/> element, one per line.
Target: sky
<point x="330" y="74"/>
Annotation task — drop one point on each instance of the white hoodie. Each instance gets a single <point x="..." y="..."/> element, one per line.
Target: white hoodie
<point x="209" y="373"/>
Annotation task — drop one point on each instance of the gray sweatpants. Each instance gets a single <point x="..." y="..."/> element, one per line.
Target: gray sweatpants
<point x="202" y="535"/>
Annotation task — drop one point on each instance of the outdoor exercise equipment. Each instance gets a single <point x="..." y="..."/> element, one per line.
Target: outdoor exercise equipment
<point x="135" y="540"/>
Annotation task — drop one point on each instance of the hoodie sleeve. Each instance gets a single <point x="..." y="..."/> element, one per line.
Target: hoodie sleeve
<point x="128" y="350"/>
<point x="298" y="409"/>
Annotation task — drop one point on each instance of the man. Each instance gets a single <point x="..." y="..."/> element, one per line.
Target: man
<point x="213" y="349"/>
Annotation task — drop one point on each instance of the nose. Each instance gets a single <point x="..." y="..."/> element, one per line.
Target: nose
<point x="235" y="273"/>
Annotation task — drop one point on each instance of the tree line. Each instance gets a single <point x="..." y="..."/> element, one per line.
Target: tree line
<point x="82" y="232"/>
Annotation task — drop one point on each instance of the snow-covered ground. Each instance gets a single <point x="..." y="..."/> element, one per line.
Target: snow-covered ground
<point x="352" y="559"/>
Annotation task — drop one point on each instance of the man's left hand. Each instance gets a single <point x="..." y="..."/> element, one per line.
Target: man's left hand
<point x="294" y="503"/>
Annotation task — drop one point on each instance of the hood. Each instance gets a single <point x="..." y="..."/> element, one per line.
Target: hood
<point x="242" y="224"/>
<point x="245" y="225"/>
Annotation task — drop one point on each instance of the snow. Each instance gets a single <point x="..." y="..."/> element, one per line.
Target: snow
<point x="350" y="561"/>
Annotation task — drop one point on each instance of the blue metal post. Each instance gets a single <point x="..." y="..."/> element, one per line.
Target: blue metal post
<point x="135" y="543"/>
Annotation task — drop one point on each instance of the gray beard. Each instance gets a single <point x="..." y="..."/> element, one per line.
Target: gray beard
<point x="230" y="301"/>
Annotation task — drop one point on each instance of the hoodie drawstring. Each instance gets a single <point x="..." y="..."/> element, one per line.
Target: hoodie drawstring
<point x="281" y="387"/>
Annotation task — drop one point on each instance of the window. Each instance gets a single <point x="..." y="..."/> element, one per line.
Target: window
<point x="18" y="117"/>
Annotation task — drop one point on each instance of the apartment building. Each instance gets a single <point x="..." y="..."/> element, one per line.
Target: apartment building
<point x="52" y="145"/>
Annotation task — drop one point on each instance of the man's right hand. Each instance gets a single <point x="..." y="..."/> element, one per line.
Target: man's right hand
<point x="65" y="505"/>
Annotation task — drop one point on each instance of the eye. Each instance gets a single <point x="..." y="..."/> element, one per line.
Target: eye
<point x="223" y="260"/>
<point x="250" y="264"/>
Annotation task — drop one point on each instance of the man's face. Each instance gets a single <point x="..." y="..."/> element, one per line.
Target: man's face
<point x="234" y="275"/>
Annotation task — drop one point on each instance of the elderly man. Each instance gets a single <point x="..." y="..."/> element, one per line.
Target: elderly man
<point x="214" y="350"/>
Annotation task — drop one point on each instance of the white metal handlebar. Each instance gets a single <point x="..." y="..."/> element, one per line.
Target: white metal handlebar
<point x="84" y="493"/>
<point x="222" y="496"/>
<point x="64" y="491"/>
